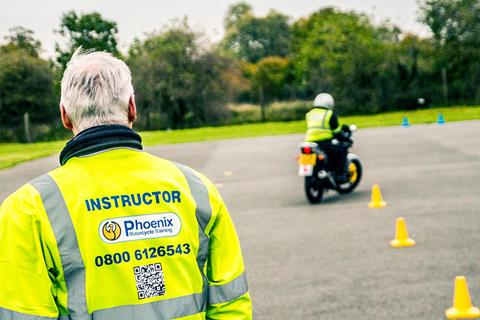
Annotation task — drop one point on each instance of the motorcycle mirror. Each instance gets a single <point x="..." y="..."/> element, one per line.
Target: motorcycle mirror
<point x="353" y="127"/>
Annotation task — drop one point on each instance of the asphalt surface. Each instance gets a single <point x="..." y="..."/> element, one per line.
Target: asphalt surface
<point x="333" y="260"/>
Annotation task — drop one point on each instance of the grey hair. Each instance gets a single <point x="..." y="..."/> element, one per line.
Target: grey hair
<point x="96" y="89"/>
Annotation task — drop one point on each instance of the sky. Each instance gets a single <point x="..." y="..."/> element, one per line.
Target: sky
<point x="137" y="17"/>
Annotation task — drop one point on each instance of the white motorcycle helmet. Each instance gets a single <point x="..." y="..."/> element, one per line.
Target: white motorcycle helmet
<point x="324" y="100"/>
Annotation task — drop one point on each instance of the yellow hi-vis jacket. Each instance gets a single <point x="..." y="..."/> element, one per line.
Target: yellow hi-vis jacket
<point x="318" y="125"/>
<point x="118" y="235"/>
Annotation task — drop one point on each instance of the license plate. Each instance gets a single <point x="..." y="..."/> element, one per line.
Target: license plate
<point x="305" y="170"/>
<point x="310" y="159"/>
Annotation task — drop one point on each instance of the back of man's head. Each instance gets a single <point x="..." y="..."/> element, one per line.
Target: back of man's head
<point x="96" y="90"/>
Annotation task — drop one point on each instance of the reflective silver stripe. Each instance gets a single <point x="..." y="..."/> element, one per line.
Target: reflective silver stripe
<point x="202" y="256"/>
<point x="203" y="213"/>
<point x="324" y="118"/>
<point x="6" y="314"/>
<point x="200" y="195"/>
<point x="62" y="226"/>
<point x="228" y="292"/>
<point x="318" y="128"/>
<point x="159" y="310"/>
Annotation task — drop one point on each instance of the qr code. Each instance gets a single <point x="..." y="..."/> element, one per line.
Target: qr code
<point x="150" y="280"/>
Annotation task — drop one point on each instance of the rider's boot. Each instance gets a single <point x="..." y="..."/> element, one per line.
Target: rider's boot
<point x="342" y="177"/>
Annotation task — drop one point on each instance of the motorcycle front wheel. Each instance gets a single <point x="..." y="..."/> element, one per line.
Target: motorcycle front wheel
<point x="355" y="175"/>
<point x="313" y="189"/>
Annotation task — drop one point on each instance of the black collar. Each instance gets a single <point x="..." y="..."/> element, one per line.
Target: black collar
<point x="98" y="139"/>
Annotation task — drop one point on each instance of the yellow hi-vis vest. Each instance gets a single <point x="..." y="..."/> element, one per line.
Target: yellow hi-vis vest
<point x="318" y="125"/>
<point x="120" y="235"/>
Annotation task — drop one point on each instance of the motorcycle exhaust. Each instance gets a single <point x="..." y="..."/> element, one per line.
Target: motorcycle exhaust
<point x="322" y="174"/>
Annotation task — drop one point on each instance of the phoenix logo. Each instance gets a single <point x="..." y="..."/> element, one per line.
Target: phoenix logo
<point x="111" y="230"/>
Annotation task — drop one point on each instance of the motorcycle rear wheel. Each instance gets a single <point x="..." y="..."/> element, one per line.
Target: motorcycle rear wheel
<point x="313" y="190"/>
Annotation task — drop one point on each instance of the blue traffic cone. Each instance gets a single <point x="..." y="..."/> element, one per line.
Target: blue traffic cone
<point x="405" y="122"/>
<point x="440" y="119"/>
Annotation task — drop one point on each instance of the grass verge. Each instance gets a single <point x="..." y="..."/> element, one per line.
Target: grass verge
<point x="14" y="153"/>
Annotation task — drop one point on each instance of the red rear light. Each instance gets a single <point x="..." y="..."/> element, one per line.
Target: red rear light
<point x="307" y="150"/>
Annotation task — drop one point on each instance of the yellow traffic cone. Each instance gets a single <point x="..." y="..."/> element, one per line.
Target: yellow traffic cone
<point x="377" y="201"/>
<point x="462" y="305"/>
<point x="401" y="235"/>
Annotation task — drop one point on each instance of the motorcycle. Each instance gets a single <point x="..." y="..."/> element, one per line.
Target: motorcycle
<point x="319" y="173"/>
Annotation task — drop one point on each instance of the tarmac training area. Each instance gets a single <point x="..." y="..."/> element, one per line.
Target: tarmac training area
<point x="333" y="260"/>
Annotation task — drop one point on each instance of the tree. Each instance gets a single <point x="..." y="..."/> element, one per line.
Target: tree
<point x="269" y="77"/>
<point x="344" y="54"/>
<point x="22" y="38"/>
<point x="26" y="86"/>
<point x="453" y="21"/>
<point x="455" y="25"/>
<point x="177" y="83"/>
<point x="250" y="38"/>
<point x="414" y="75"/>
<point x="89" y="31"/>
<point x="236" y="13"/>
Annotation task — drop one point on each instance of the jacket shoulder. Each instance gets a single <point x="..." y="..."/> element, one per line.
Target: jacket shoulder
<point x="194" y="177"/>
<point x="23" y="201"/>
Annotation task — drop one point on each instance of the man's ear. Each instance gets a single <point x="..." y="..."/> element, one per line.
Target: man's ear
<point x="67" y="123"/>
<point x="132" y="110"/>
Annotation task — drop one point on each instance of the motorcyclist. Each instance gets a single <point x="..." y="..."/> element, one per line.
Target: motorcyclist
<point x="323" y="128"/>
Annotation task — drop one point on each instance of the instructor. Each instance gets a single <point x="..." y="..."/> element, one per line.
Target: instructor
<point x="116" y="233"/>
